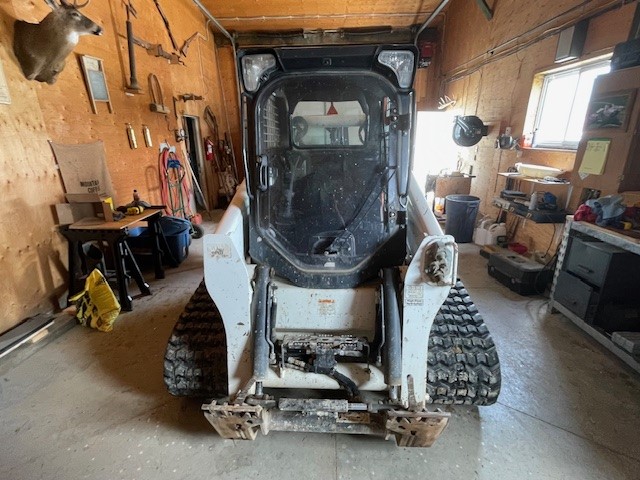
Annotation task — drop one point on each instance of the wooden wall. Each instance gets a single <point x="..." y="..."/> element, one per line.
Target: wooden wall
<point x="489" y="66"/>
<point x="32" y="252"/>
<point x="471" y="65"/>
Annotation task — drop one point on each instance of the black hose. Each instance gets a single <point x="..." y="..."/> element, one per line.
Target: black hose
<point x="345" y="382"/>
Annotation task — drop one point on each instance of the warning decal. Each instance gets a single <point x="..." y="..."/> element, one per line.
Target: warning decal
<point x="413" y="294"/>
<point x="326" y="306"/>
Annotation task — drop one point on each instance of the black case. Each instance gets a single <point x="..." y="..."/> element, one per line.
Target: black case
<point x="626" y="55"/>
<point x="518" y="273"/>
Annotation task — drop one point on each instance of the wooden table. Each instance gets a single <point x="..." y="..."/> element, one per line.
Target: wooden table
<point x="114" y="234"/>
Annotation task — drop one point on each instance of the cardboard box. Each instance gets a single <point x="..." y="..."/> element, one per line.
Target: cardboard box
<point x="102" y="204"/>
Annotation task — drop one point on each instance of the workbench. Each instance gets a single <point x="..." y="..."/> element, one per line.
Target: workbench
<point x="611" y="238"/>
<point x="113" y="235"/>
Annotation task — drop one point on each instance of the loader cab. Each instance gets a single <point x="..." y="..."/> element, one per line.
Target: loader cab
<point x="328" y="133"/>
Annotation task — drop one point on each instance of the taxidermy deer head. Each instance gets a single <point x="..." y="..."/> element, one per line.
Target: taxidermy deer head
<point x="41" y="48"/>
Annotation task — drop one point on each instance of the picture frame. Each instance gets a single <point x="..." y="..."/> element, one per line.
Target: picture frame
<point x="95" y="81"/>
<point x="610" y="110"/>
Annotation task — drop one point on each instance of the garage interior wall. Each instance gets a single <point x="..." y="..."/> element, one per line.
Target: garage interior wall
<point x="33" y="255"/>
<point x="496" y="87"/>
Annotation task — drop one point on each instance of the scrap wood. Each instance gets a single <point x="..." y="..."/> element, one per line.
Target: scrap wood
<point x="24" y="332"/>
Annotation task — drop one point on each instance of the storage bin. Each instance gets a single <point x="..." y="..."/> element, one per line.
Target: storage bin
<point x="176" y="231"/>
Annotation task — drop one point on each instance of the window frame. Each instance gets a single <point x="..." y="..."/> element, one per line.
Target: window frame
<point x="544" y="79"/>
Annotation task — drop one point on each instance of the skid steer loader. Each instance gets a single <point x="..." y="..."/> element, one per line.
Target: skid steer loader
<point x="330" y="301"/>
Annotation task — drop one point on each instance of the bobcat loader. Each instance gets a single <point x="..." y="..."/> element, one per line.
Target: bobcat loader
<point x="330" y="301"/>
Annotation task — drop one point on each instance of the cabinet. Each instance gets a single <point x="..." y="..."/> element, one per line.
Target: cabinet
<point x="622" y="168"/>
<point x="595" y="275"/>
<point x="596" y="283"/>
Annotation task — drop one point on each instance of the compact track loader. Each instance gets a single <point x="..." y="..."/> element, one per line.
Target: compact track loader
<point x="330" y="300"/>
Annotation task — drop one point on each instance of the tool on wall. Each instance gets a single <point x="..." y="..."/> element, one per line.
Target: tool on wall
<point x="506" y="141"/>
<point x="156" y="50"/>
<point x="220" y="154"/>
<point x="185" y="97"/>
<point x="157" y="99"/>
<point x="468" y="130"/>
<point x="166" y="25"/>
<point x="446" y="102"/>
<point x="146" y="133"/>
<point x="133" y="86"/>
<point x="187" y="42"/>
<point x="131" y="134"/>
<point x="152" y="49"/>
<point x="486" y="10"/>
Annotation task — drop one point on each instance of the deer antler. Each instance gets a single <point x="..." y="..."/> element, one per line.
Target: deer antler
<point x="74" y="5"/>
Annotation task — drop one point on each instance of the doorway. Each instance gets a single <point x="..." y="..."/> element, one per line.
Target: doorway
<point x="435" y="151"/>
<point x="193" y="143"/>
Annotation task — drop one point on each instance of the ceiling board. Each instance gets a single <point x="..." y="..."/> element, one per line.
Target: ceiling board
<point x="314" y="14"/>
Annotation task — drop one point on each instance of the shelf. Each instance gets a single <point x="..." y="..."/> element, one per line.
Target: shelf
<point x="523" y="178"/>
<point x="631" y="360"/>
<point x="537" y="216"/>
<point x="534" y="182"/>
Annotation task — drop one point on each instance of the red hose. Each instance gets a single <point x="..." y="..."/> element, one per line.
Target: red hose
<point x="172" y="204"/>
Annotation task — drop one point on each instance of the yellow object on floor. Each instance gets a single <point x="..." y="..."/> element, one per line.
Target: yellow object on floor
<point x="97" y="305"/>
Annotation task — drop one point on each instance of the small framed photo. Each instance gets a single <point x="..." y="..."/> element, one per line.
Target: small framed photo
<point x="610" y="110"/>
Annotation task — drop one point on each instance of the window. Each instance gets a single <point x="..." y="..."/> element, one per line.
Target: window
<point x="563" y="105"/>
<point x="320" y="123"/>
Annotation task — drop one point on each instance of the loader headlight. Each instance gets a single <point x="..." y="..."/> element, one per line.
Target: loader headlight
<point x="401" y="62"/>
<point x="254" y="67"/>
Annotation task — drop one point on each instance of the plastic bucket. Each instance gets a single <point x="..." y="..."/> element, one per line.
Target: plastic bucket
<point x="461" y="216"/>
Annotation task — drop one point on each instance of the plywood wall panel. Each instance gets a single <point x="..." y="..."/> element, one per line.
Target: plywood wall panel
<point x="30" y="248"/>
<point x="32" y="252"/>
<point x="497" y="90"/>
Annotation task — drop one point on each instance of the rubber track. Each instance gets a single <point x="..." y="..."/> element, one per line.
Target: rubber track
<point x="462" y="361"/>
<point x="195" y="362"/>
<point x="463" y="366"/>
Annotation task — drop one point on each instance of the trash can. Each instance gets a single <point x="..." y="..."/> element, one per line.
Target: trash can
<point x="461" y="213"/>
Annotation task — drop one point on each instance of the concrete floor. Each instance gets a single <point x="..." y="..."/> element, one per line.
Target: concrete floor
<point x="93" y="405"/>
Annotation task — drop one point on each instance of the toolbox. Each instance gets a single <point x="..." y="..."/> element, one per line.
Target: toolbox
<point x="518" y="273"/>
<point x="538" y="216"/>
